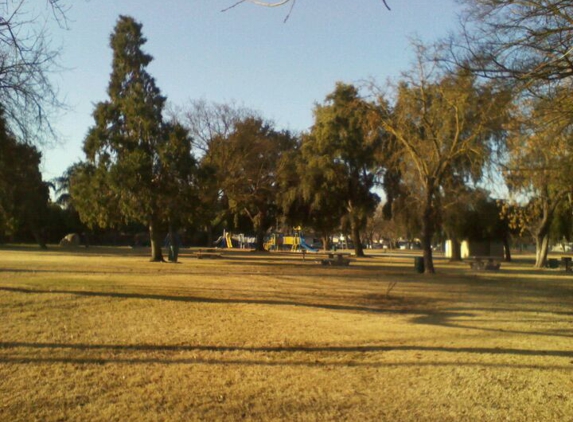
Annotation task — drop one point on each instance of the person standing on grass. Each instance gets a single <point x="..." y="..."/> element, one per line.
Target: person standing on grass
<point x="173" y="243"/>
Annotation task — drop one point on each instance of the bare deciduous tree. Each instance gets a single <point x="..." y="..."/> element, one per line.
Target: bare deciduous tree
<point x="530" y="41"/>
<point x="27" y="95"/>
<point x="208" y="120"/>
<point x="539" y="169"/>
<point x="445" y="123"/>
<point x="528" y="45"/>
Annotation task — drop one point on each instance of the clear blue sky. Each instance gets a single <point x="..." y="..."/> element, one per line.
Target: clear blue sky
<point x="246" y="54"/>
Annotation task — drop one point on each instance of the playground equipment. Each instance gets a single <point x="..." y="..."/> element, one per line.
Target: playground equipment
<point x="300" y="243"/>
<point x="295" y="243"/>
<point x="272" y="242"/>
<point x="306" y="246"/>
<point x="224" y="241"/>
<point x="228" y="240"/>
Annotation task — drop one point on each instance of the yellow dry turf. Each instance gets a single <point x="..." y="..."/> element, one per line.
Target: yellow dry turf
<point x="101" y="334"/>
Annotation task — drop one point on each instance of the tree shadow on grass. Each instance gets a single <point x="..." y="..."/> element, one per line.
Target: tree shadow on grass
<point x="198" y="299"/>
<point x="422" y="312"/>
<point x="243" y="268"/>
<point x="283" y="355"/>
<point x="509" y="288"/>
<point x="448" y="319"/>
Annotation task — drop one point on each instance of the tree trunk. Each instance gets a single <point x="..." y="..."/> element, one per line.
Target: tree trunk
<point x="541" y="235"/>
<point x="209" y="230"/>
<point x="456" y="249"/>
<point x="260" y="232"/>
<point x="258" y="221"/>
<point x="427" y="249"/>
<point x="428" y="232"/>
<point x="326" y="242"/>
<point x="40" y="240"/>
<point x="260" y="246"/>
<point x="541" y="249"/>
<point x="358" y="250"/>
<point x="155" y="238"/>
<point x="506" y="249"/>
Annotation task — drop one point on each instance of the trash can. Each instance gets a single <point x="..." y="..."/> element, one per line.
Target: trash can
<point x="552" y="263"/>
<point x="419" y="264"/>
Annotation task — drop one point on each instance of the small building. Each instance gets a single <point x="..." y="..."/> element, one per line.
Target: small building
<point x="476" y="248"/>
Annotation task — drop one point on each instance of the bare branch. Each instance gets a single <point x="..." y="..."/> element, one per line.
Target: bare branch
<point x="276" y="4"/>
<point x="233" y="5"/>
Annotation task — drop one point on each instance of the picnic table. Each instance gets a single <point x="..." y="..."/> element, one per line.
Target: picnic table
<point x="484" y="263"/>
<point x="336" y="259"/>
<point x="208" y="254"/>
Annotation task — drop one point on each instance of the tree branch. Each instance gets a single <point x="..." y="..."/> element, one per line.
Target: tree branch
<point x="273" y="4"/>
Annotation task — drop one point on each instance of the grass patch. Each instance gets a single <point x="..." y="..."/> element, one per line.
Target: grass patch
<point x="102" y="334"/>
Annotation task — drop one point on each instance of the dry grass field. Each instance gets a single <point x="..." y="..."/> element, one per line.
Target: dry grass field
<point x="103" y="335"/>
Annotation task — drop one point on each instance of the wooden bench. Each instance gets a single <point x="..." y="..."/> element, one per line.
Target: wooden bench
<point x="484" y="263"/>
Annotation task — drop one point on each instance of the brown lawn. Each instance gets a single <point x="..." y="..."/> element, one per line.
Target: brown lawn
<point x="104" y="335"/>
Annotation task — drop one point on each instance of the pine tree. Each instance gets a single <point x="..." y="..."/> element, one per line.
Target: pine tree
<point x="138" y="167"/>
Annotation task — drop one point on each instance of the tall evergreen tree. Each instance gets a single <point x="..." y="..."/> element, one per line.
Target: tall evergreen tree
<point x="138" y="167"/>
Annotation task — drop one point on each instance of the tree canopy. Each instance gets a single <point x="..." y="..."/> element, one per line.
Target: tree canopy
<point x="246" y="163"/>
<point x="340" y="159"/>
<point x="445" y="124"/>
<point x="539" y="169"/>
<point x="23" y="194"/>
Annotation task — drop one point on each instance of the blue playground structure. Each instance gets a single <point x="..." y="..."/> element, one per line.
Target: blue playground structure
<point x="305" y="246"/>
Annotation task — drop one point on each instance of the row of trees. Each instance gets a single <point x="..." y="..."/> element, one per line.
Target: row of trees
<point x="493" y="99"/>
<point x="523" y="48"/>
<point x="425" y="146"/>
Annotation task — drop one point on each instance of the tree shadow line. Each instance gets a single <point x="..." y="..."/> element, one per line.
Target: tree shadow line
<point x="198" y="299"/>
<point x="320" y="360"/>
<point x="286" y="349"/>
<point x="447" y="319"/>
<point x="271" y="269"/>
<point x="422" y="316"/>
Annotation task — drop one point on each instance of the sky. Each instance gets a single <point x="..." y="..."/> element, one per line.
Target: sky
<point x="246" y="55"/>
